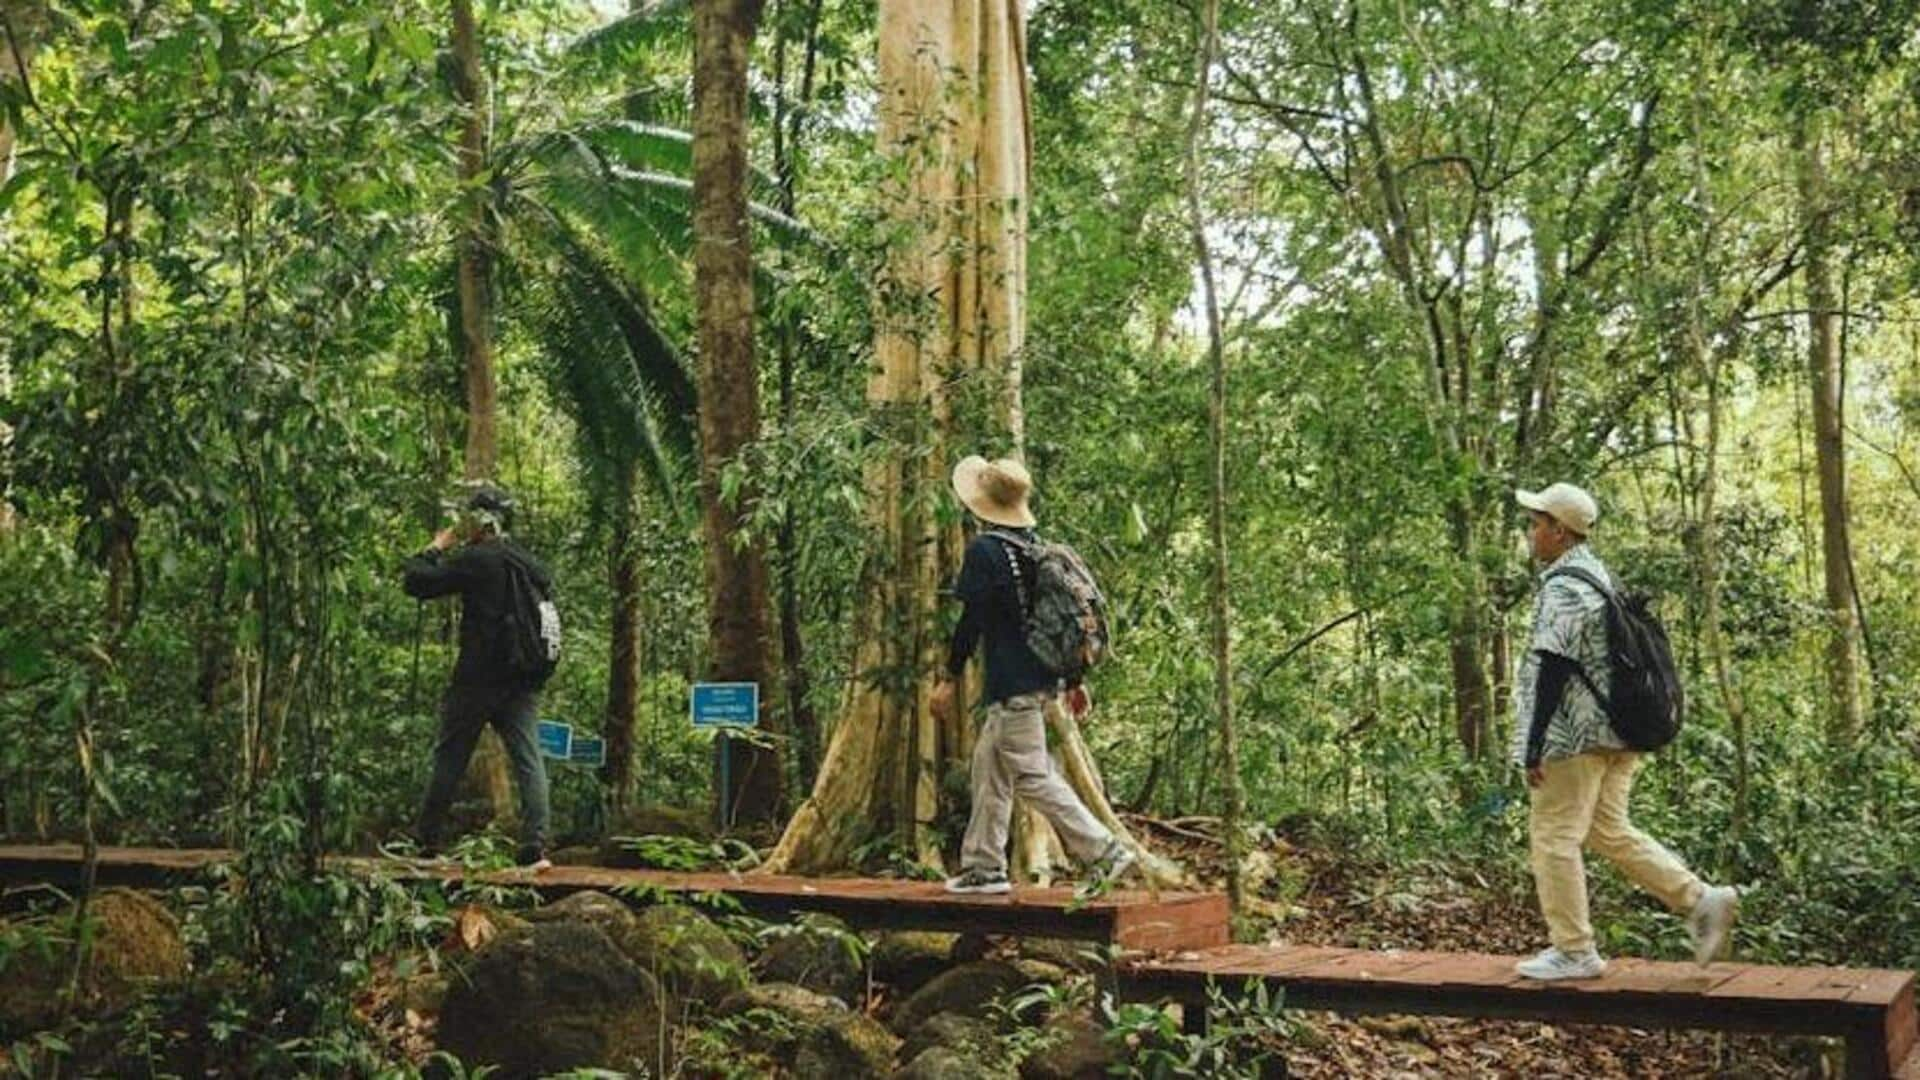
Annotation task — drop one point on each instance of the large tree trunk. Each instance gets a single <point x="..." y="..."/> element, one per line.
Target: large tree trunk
<point x="951" y="313"/>
<point x="736" y="573"/>
<point x="623" y="660"/>
<point x="1217" y="464"/>
<point x="474" y="293"/>
<point x="1824" y="371"/>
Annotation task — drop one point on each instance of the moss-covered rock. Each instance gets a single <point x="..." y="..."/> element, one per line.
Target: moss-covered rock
<point x="967" y="989"/>
<point x="690" y="954"/>
<point x="908" y="959"/>
<point x="135" y="947"/>
<point x="820" y="954"/>
<point x="554" y="996"/>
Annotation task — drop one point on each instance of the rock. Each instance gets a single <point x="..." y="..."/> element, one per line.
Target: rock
<point x="817" y="1035"/>
<point x="971" y="1036"/>
<point x="821" y="954"/>
<point x="907" y="959"/>
<point x="966" y="989"/>
<point x="946" y="1063"/>
<point x="690" y="955"/>
<point x="969" y="947"/>
<point x="853" y="1045"/>
<point x="654" y="820"/>
<point x="1085" y="957"/>
<point x="549" y="998"/>
<point x="136" y="946"/>
<point x="590" y="908"/>
<point x="1040" y="971"/>
<point x="424" y="994"/>
<point x="1076" y="1049"/>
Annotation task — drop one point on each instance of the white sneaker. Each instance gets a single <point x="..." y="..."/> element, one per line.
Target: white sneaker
<point x="1552" y="965"/>
<point x="1710" y="923"/>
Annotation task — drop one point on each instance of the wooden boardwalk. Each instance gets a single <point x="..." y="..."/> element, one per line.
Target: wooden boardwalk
<point x="1873" y="1010"/>
<point x="1179" y="942"/>
<point x="1130" y="920"/>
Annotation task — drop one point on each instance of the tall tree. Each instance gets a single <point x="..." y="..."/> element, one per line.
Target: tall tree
<point x="473" y="296"/>
<point x="1208" y="45"/>
<point x="951" y="320"/>
<point x="729" y="387"/>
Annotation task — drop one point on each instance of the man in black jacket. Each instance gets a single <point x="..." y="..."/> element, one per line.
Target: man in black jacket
<point x="470" y="559"/>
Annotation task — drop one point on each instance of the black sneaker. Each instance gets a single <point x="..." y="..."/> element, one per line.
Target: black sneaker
<point x="980" y="882"/>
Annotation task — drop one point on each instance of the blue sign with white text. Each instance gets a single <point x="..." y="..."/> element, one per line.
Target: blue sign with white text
<point x="556" y="739"/>
<point x="722" y="705"/>
<point x="588" y="750"/>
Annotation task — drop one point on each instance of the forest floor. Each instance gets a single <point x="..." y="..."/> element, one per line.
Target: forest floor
<point x="1318" y="892"/>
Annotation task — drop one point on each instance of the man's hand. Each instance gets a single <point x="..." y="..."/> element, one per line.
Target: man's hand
<point x="941" y="701"/>
<point x="1079" y="701"/>
<point x="1536" y="775"/>
<point x="443" y="539"/>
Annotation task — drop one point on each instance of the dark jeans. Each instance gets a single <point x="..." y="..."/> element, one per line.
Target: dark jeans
<point x="464" y="712"/>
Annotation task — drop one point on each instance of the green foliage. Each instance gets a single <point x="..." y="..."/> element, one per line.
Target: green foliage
<point x="1245" y="1037"/>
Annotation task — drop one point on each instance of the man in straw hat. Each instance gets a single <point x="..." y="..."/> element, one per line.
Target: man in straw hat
<point x="1579" y="772"/>
<point x="1010" y="753"/>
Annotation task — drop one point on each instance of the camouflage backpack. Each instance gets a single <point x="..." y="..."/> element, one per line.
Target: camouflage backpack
<point x="1065" y="616"/>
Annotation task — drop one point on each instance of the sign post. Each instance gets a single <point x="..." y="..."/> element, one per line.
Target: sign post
<point x="723" y="707"/>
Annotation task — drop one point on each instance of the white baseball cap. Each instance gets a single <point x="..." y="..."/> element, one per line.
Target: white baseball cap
<point x="1565" y="504"/>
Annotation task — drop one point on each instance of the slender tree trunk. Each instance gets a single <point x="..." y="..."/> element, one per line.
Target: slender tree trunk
<point x="1217" y="462"/>
<point x="787" y="122"/>
<point x="474" y="292"/>
<point x="736" y="572"/>
<point x="623" y="661"/>
<point x="1824" y="371"/>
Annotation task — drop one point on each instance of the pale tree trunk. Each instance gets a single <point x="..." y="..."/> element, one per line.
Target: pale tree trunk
<point x="474" y="292"/>
<point x="1217" y="465"/>
<point x="623" y="660"/>
<point x="1824" y="371"/>
<point x="736" y="573"/>
<point x="951" y="308"/>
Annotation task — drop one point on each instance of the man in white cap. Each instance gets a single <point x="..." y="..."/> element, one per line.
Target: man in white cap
<point x="1010" y="752"/>
<point x="1579" y="772"/>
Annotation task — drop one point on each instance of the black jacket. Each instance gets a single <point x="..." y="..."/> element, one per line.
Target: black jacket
<point x="994" y="615"/>
<point x="477" y="573"/>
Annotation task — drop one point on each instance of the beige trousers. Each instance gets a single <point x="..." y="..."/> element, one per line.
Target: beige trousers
<point x="1583" y="803"/>
<point x="1010" y="758"/>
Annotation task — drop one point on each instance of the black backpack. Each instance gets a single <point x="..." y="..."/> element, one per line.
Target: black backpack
<point x="533" y="621"/>
<point x="1645" y="702"/>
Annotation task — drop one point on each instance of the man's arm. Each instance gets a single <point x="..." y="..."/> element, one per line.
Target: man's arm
<point x="1556" y="672"/>
<point x="428" y="575"/>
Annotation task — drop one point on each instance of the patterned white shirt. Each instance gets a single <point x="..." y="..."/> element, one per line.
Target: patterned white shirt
<point x="1568" y="620"/>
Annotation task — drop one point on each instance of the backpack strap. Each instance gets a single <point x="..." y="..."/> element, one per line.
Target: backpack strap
<point x="1591" y="580"/>
<point x="1023" y="546"/>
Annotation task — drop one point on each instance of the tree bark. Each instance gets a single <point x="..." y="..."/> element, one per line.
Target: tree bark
<point x="950" y="313"/>
<point x="474" y="293"/>
<point x="736" y="572"/>
<point x="1220" y="603"/>
<point x="1828" y="390"/>
<point x="623" y="660"/>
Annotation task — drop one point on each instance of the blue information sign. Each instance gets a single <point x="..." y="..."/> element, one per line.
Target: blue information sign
<point x="556" y="739"/>
<point x="588" y="750"/>
<point x="724" y="705"/>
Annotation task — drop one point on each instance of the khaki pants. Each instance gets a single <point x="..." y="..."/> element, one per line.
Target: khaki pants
<point x="1583" y="802"/>
<point x="1010" y="758"/>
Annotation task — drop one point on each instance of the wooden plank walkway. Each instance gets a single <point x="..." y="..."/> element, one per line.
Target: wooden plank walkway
<point x="1873" y="1010"/>
<point x="1130" y="920"/>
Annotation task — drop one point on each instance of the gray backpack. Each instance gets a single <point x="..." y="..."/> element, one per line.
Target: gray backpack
<point x="1065" y="617"/>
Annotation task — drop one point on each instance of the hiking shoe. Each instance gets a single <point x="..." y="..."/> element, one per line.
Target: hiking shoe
<point x="533" y="859"/>
<point x="1710" y="923"/>
<point x="1552" y="965"/>
<point x="980" y="882"/>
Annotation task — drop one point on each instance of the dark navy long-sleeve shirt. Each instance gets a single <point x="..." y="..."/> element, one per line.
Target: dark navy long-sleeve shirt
<point x="993" y="615"/>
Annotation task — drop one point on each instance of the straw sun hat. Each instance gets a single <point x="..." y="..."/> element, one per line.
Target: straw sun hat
<point x="996" y="491"/>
